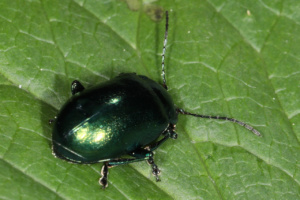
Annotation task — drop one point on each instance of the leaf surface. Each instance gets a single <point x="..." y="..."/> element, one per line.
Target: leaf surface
<point x="228" y="58"/>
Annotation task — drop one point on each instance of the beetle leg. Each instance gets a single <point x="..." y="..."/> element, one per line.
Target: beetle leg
<point x="145" y="154"/>
<point x="154" y="146"/>
<point x="155" y="170"/>
<point x="76" y="87"/>
<point x="122" y="161"/>
<point x="169" y="133"/>
<point x="104" y="173"/>
<point x="140" y="155"/>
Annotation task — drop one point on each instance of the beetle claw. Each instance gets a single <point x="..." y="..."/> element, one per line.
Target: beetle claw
<point x="157" y="179"/>
<point x="174" y="135"/>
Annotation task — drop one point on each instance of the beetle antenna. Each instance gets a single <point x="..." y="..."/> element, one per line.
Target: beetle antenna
<point x="164" y="51"/>
<point x="250" y="128"/>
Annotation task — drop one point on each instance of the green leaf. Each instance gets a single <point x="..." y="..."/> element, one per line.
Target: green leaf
<point x="232" y="58"/>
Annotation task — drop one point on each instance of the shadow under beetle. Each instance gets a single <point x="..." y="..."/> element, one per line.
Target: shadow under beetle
<point x="125" y="116"/>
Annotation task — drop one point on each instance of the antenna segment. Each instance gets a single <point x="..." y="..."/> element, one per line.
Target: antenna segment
<point x="164" y="51"/>
<point x="250" y="128"/>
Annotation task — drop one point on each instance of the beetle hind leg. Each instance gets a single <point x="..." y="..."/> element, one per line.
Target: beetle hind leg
<point x="104" y="173"/>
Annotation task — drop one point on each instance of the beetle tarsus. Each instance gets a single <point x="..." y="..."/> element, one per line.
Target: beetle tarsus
<point x="103" y="182"/>
<point x="173" y="135"/>
<point x="104" y="172"/>
<point x="155" y="170"/>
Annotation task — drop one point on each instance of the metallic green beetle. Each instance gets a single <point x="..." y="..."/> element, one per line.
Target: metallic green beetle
<point x="130" y="115"/>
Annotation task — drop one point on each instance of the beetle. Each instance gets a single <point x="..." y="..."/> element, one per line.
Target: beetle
<point x="129" y="115"/>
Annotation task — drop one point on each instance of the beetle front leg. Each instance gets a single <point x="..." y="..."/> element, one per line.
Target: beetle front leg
<point x="76" y="87"/>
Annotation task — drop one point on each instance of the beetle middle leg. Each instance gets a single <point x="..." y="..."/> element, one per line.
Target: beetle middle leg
<point x="148" y="156"/>
<point x="141" y="154"/>
<point x="168" y="133"/>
